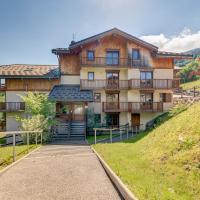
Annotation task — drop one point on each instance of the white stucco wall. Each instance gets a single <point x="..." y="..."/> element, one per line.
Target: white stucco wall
<point x="70" y="80"/>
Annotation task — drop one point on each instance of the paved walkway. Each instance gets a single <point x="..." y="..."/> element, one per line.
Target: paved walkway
<point x="58" y="171"/>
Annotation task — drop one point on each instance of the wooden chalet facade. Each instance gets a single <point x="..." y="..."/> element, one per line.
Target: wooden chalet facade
<point x="113" y="73"/>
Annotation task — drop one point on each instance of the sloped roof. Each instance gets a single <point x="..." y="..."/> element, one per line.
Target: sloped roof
<point x="101" y="35"/>
<point x="175" y="55"/>
<point x="29" y="71"/>
<point x="70" y="93"/>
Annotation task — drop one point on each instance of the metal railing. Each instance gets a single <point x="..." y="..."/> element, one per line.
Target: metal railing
<point x="12" y="106"/>
<point x="14" y="134"/>
<point x="121" y="133"/>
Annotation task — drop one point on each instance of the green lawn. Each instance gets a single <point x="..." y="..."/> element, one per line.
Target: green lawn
<point x="7" y="152"/>
<point x="162" y="164"/>
<point x="191" y="85"/>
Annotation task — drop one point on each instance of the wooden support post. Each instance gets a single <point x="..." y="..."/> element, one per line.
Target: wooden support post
<point x="110" y="135"/>
<point x="36" y="138"/>
<point x="95" y="136"/>
<point x="127" y="132"/>
<point x="136" y="129"/>
<point x="41" y="138"/>
<point x="194" y="91"/>
<point x="14" y="143"/>
<point x="27" y="140"/>
<point x="120" y="132"/>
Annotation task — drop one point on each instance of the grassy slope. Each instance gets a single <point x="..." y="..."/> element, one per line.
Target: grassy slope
<point x="6" y="153"/>
<point x="190" y="85"/>
<point x="164" y="164"/>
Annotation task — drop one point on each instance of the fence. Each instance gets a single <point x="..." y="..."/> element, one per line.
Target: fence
<point x="123" y="132"/>
<point x="11" y="151"/>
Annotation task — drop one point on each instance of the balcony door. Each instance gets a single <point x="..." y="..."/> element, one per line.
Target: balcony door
<point x="112" y="80"/>
<point x="146" y="101"/>
<point x="112" y="57"/>
<point x="112" y="101"/>
<point x="146" y="79"/>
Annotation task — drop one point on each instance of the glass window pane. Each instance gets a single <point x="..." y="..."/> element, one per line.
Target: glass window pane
<point x="135" y="54"/>
<point x="148" y="75"/>
<point x="90" y="75"/>
<point x="142" y="76"/>
<point x="90" y="55"/>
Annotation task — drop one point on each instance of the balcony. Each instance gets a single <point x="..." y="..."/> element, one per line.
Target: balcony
<point x="129" y="84"/>
<point x="132" y="107"/>
<point x="104" y="61"/>
<point x="12" y="106"/>
<point x="153" y="84"/>
<point x="104" y="84"/>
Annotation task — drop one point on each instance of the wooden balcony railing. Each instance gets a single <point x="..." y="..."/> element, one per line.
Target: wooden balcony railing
<point x="132" y="106"/>
<point x="12" y="106"/>
<point x="153" y="84"/>
<point x="104" y="61"/>
<point x="129" y="84"/>
<point x="104" y="84"/>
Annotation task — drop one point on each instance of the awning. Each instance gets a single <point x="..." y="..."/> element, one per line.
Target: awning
<point x="70" y="93"/>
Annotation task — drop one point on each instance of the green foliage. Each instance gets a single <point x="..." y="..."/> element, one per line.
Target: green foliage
<point x="91" y="119"/>
<point x="185" y="71"/>
<point x="39" y="112"/>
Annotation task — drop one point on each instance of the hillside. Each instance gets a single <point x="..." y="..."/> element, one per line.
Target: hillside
<point x="194" y="51"/>
<point x="163" y="163"/>
<point x="191" y="84"/>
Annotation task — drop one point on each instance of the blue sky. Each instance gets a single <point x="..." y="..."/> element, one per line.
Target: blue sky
<point x="29" y="29"/>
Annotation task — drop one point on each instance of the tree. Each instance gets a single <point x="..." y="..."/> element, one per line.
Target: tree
<point x="39" y="112"/>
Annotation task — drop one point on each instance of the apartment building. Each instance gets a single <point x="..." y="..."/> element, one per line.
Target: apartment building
<point x="121" y="78"/>
<point x="132" y="82"/>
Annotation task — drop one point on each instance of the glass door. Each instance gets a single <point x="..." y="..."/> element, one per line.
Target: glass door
<point x="112" y="80"/>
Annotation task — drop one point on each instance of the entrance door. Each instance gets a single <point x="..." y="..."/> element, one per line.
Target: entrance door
<point x="135" y="119"/>
<point x="71" y="111"/>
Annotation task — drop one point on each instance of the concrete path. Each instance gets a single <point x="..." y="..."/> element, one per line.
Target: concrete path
<point x="65" y="171"/>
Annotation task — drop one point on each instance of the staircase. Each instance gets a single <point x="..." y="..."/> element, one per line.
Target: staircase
<point x="69" y="131"/>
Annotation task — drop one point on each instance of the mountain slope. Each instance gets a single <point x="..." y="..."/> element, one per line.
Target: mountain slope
<point x="162" y="164"/>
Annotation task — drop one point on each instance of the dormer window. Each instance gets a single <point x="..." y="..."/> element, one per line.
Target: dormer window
<point x="90" y="55"/>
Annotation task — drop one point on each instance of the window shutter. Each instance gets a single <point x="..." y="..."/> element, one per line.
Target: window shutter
<point x="168" y="97"/>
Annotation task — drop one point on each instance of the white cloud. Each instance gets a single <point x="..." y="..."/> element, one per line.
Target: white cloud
<point x="185" y="41"/>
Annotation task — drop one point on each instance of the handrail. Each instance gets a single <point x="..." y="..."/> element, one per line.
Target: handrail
<point x="14" y="133"/>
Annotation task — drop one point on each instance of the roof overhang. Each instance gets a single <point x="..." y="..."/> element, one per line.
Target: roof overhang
<point x="163" y="54"/>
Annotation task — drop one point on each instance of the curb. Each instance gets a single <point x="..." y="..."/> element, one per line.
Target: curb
<point x="123" y="190"/>
<point x="16" y="162"/>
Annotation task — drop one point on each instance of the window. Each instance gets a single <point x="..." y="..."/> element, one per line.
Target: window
<point x="146" y="97"/>
<point x="112" y="57"/>
<point x="146" y="80"/>
<point x="2" y="82"/>
<point x="146" y="75"/>
<point x="97" y="97"/>
<point x="90" y="76"/>
<point x="112" y="80"/>
<point x="112" y="97"/>
<point x="165" y="97"/>
<point x="97" y="118"/>
<point x="135" y="54"/>
<point x="90" y="55"/>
